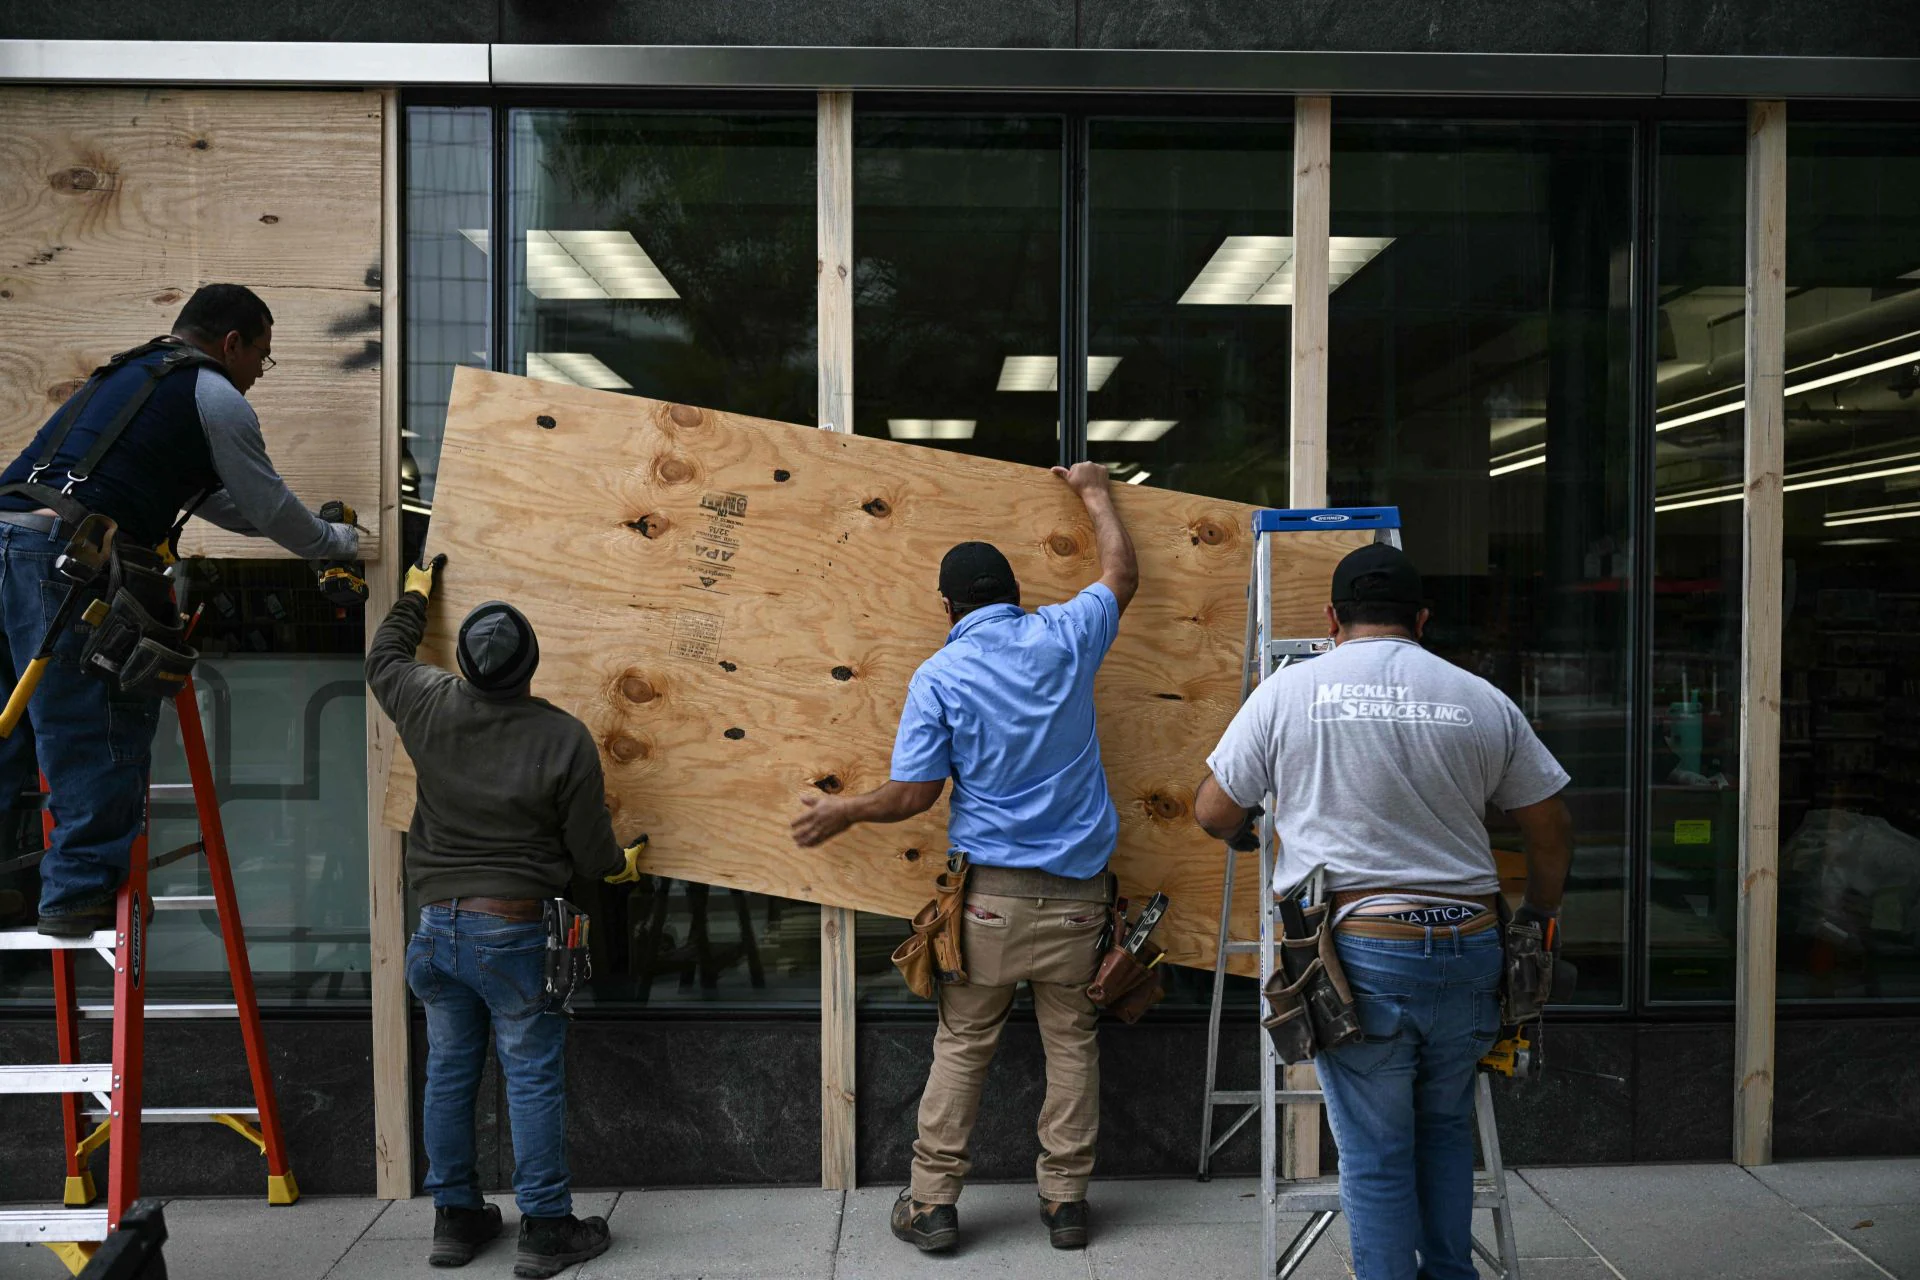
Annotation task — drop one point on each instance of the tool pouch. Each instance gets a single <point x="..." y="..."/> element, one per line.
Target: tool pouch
<point x="1315" y="1011"/>
<point x="139" y="647"/>
<point x="933" y="953"/>
<point x="569" y="960"/>
<point x="1125" y="985"/>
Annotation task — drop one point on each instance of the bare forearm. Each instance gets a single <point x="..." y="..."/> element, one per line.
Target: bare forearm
<point x="1547" y="830"/>
<point x="1119" y="568"/>
<point x="892" y="802"/>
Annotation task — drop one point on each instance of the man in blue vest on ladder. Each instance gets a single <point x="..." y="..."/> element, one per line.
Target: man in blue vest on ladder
<point x="89" y="512"/>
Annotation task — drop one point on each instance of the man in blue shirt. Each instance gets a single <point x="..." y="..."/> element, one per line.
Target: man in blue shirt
<point x="1005" y="709"/>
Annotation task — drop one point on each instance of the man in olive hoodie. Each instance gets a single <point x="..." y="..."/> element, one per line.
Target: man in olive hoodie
<point x="511" y="806"/>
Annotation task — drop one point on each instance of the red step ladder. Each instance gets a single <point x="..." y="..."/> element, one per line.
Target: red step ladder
<point x="114" y="1088"/>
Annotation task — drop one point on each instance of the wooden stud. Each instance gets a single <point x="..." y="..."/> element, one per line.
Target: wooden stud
<point x="833" y="218"/>
<point x="1312" y="174"/>
<point x="1307" y="457"/>
<point x="386" y="872"/>
<point x="1760" y="634"/>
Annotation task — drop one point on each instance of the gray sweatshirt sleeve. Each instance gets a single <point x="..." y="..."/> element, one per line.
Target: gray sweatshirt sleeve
<point x="254" y="498"/>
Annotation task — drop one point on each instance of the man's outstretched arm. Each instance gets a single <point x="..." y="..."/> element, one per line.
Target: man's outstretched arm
<point x="1119" y="567"/>
<point x="892" y="801"/>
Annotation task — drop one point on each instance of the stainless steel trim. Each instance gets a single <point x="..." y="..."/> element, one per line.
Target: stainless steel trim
<point x="41" y="1226"/>
<point x="160" y="1011"/>
<point x="56" y="1077"/>
<point x="253" y="62"/>
<point x="182" y="1115"/>
<point x="1690" y="75"/>
<point x="1076" y="70"/>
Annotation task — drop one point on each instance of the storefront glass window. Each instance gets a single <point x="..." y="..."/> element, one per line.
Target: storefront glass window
<point x="1850" y="709"/>
<point x="1190" y="295"/>
<point x="282" y="699"/>
<point x="956" y="283"/>
<point x="671" y="255"/>
<point x="1479" y="380"/>
<point x="1694" y="726"/>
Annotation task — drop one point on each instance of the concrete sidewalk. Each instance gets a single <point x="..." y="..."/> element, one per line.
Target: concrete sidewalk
<point x="1836" y="1220"/>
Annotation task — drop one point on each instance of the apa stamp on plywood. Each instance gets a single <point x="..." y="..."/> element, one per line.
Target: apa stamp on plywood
<point x="695" y="635"/>
<point x="715" y="546"/>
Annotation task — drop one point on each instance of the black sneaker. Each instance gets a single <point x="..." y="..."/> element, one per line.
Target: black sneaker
<point x="458" y="1233"/>
<point x="928" y="1228"/>
<point x="77" y="924"/>
<point x="549" y="1246"/>
<point x="1066" y="1222"/>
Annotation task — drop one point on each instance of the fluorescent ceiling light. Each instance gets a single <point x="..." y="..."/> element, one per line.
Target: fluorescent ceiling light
<point x="1869" y="515"/>
<point x="592" y="264"/>
<point x="1258" y="270"/>
<point x="1856" y="542"/>
<point x="575" y="368"/>
<point x="1817" y="478"/>
<point x="1517" y="453"/>
<point x="418" y="508"/>
<point x="1503" y="428"/>
<point x="931" y="428"/>
<point x="479" y="238"/>
<point x="1042" y="373"/>
<point x="1139" y="477"/>
<point x="1128" y="431"/>
<point x="1512" y="467"/>
<point x="1800" y="388"/>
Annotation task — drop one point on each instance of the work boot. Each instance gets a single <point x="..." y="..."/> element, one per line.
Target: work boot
<point x="1066" y="1222"/>
<point x="77" y="924"/>
<point x="549" y="1246"/>
<point x="458" y="1233"/>
<point x="927" y="1227"/>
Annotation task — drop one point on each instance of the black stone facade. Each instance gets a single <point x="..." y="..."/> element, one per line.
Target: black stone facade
<point x="1788" y="28"/>
<point x="682" y="1102"/>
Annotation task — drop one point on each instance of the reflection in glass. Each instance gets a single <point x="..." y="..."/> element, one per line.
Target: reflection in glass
<point x="1190" y="304"/>
<point x="449" y="217"/>
<point x="667" y="255"/>
<point x="672" y="256"/>
<point x="1479" y="382"/>
<point x="1694" y="729"/>
<point x="956" y="283"/>
<point x="1850" y="711"/>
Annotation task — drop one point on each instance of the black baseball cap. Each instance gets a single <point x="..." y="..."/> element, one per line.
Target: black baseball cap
<point x="975" y="573"/>
<point x="498" y="651"/>
<point x="1379" y="573"/>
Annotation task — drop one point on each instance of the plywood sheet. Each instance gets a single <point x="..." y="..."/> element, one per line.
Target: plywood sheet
<point x="116" y="203"/>
<point x="734" y="608"/>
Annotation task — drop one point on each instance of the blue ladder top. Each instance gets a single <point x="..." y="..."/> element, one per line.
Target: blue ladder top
<point x="1309" y="519"/>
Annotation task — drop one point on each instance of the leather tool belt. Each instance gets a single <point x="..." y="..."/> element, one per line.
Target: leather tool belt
<point x="1310" y="1007"/>
<point x="514" y="910"/>
<point x="932" y="952"/>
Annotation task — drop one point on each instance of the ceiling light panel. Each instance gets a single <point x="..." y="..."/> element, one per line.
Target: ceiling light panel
<point x="592" y="265"/>
<point x="1128" y="430"/>
<point x="931" y="428"/>
<point x="1042" y="373"/>
<point x="575" y="368"/>
<point x="1258" y="270"/>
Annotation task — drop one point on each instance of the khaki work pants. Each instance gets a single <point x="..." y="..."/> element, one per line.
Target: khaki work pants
<point x="1051" y="944"/>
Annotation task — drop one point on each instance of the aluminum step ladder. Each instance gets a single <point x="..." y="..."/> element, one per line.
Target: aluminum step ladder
<point x="114" y="1088"/>
<point x="1318" y="1198"/>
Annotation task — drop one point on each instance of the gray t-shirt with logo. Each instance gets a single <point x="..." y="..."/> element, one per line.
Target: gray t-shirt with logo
<point x="1381" y="759"/>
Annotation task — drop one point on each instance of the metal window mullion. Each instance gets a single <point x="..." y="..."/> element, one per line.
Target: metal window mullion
<point x="1072" y="364"/>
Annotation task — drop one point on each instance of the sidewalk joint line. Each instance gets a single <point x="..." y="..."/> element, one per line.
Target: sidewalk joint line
<point x="1605" y="1261"/>
<point x="335" y="1264"/>
<point x="839" y="1234"/>
<point x="1843" y="1241"/>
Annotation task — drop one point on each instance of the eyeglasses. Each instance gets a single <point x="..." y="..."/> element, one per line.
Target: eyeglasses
<point x="266" y="363"/>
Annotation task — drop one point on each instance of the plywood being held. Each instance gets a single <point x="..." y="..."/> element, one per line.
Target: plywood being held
<point x="735" y="606"/>
<point x="116" y="204"/>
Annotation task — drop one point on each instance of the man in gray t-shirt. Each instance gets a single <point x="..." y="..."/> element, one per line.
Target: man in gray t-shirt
<point x="1378" y="762"/>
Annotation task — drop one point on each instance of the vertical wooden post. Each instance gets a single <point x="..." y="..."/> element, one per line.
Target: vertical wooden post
<point x="1312" y="197"/>
<point x="386" y="874"/>
<point x="833" y="217"/>
<point x="1307" y="454"/>
<point x="1760" y="632"/>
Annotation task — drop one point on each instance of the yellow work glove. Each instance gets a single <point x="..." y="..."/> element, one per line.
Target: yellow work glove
<point x="421" y="578"/>
<point x="631" y="872"/>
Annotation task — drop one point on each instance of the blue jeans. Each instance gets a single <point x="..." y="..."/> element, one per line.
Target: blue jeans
<point x="470" y="970"/>
<point x="94" y="745"/>
<point x="1400" y="1101"/>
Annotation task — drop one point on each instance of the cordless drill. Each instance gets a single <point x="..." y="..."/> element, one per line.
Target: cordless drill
<point x="341" y="582"/>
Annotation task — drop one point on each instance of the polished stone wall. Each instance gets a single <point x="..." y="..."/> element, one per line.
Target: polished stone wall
<point x="689" y="1102"/>
<point x="1841" y="28"/>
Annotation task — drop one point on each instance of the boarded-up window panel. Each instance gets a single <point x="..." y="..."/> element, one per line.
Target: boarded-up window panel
<point x="115" y="204"/>
<point x="734" y="607"/>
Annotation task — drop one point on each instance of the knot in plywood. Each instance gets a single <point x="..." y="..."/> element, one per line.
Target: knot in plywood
<point x="651" y="525"/>
<point x="878" y="508"/>
<point x="1209" y="531"/>
<point x="545" y="422"/>
<point x="685" y="415"/>
<point x="637" y="688"/>
<point x="671" y="468"/>
<point x="1166" y="807"/>
<point x="1064" y="545"/>
<point x="79" y="180"/>
<point x="829" y="784"/>
<point x="624" y="748"/>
